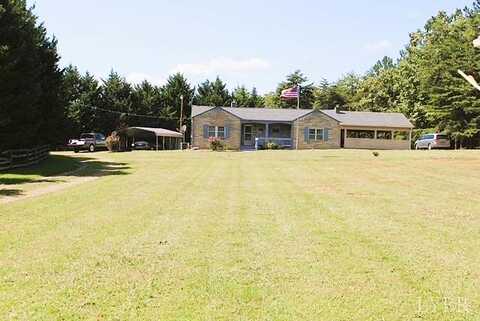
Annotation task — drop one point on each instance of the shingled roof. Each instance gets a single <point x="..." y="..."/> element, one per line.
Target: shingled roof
<point x="369" y="119"/>
<point x="346" y="118"/>
<point x="258" y="114"/>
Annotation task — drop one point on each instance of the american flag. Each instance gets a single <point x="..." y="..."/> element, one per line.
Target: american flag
<point x="290" y="93"/>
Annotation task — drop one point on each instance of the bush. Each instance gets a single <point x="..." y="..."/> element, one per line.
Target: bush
<point x="216" y="144"/>
<point x="272" y="145"/>
<point x="376" y="154"/>
<point x="113" y="142"/>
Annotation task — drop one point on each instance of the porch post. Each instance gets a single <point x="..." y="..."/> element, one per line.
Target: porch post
<point x="296" y="134"/>
<point x="156" y="141"/>
<point x="267" y="135"/>
<point x="409" y="139"/>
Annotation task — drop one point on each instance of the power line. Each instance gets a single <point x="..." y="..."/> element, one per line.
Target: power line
<point x="128" y="114"/>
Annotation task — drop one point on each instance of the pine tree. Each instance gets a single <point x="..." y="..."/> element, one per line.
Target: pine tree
<point x="31" y="103"/>
<point x="255" y="99"/>
<point x="297" y="78"/>
<point x="241" y="97"/>
<point x="176" y="86"/>
<point x="213" y="94"/>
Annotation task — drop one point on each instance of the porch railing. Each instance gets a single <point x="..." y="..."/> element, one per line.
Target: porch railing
<point x="261" y="142"/>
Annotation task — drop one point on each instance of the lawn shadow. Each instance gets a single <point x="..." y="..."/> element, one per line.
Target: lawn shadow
<point x="24" y="180"/>
<point x="57" y="166"/>
<point x="11" y="192"/>
<point x="96" y="167"/>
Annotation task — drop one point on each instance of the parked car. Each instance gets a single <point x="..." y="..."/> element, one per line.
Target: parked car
<point x="88" y="141"/>
<point x="431" y="141"/>
<point x="141" y="145"/>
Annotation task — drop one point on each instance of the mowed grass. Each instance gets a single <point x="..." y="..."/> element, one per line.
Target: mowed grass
<point x="281" y="235"/>
<point x="54" y="165"/>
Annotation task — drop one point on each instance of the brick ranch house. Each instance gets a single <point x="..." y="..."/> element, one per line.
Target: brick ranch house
<point x="249" y="128"/>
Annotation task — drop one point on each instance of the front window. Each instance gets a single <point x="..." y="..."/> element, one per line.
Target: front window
<point x="356" y="133"/>
<point x="221" y="132"/>
<point x="216" y="131"/>
<point x="401" y="135"/>
<point x="211" y="131"/>
<point x="315" y="133"/>
<point x="384" y="134"/>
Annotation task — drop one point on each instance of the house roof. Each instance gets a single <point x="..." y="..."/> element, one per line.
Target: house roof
<point x="257" y="114"/>
<point x="159" y="132"/>
<point x="346" y="118"/>
<point x="369" y="119"/>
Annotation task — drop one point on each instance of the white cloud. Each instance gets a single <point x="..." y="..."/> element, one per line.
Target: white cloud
<point x="380" y="46"/>
<point x="138" y="78"/>
<point x="223" y="64"/>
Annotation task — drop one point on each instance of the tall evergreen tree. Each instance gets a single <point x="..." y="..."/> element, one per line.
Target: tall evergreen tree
<point x="81" y="94"/>
<point x="327" y="96"/>
<point x="176" y="86"/>
<point x="31" y="103"/>
<point x="213" y="93"/>
<point x="241" y="97"/>
<point x="255" y="99"/>
<point x="116" y="95"/>
<point x="297" y="78"/>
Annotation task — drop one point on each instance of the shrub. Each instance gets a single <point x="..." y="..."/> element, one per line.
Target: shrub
<point x="376" y="154"/>
<point x="216" y="144"/>
<point x="272" y="145"/>
<point x="113" y="142"/>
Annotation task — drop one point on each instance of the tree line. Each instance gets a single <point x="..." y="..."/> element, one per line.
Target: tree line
<point x="43" y="103"/>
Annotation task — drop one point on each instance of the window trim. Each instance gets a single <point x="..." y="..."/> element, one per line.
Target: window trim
<point x="215" y="130"/>
<point x="318" y="134"/>
<point x="210" y="131"/>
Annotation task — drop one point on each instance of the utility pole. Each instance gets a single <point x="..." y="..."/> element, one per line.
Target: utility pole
<point x="180" y="126"/>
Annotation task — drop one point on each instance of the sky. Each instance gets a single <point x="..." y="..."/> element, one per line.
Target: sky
<point x="249" y="42"/>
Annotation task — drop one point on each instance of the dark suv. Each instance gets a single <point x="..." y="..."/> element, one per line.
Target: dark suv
<point x="88" y="141"/>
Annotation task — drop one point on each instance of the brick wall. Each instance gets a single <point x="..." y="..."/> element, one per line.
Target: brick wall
<point x="316" y="120"/>
<point x="216" y="117"/>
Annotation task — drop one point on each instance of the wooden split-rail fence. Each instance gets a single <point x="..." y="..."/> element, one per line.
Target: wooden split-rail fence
<point x="16" y="158"/>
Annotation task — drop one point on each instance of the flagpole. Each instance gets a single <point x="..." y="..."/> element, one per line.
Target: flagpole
<point x="298" y="97"/>
<point x="296" y="125"/>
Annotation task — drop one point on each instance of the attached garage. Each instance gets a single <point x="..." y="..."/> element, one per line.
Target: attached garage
<point x="373" y="130"/>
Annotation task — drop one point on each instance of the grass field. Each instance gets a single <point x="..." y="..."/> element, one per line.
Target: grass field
<point x="282" y="235"/>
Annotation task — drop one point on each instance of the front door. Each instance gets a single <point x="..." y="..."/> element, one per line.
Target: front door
<point x="248" y="139"/>
<point x="342" y="138"/>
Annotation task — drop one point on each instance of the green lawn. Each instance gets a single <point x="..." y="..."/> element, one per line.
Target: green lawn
<point x="54" y="165"/>
<point x="281" y="235"/>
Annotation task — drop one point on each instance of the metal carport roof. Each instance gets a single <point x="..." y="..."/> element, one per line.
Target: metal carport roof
<point x="159" y="132"/>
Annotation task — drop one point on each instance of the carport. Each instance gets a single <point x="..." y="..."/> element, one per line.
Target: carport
<point x="164" y="139"/>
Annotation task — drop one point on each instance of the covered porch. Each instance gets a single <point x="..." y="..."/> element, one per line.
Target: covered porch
<point x="255" y="135"/>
